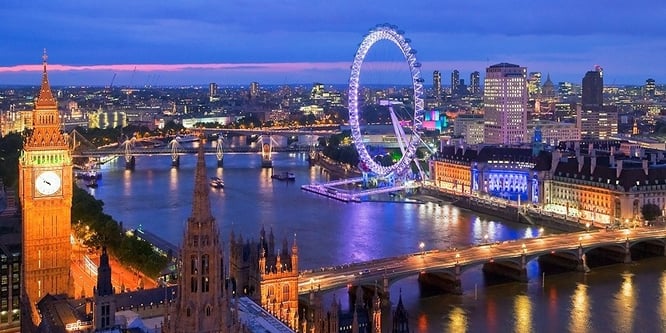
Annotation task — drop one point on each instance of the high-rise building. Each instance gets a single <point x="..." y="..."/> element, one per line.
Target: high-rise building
<point x="650" y="88"/>
<point x="475" y="83"/>
<point x="212" y="90"/>
<point x="593" y="88"/>
<point x="202" y="302"/>
<point x="254" y="90"/>
<point x="505" y="104"/>
<point x="596" y="120"/>
<point x="45" y="191"/>
<point x="564" y="89"/>
<point x="437" y="84"/>
<point x="455" y="82"/>
<point x="534" y="85"/>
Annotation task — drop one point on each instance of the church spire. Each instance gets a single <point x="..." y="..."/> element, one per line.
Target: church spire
<point x="45" y="99"/>
<point x="104" y="286"/>
<point x="200" y="204"/>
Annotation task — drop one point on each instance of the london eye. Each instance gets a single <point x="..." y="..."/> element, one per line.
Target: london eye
<point x="408" y="129"/>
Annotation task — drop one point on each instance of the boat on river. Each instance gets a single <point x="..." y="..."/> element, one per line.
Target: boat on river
<point x="216" y="182"/>
<point x="288" y="176"/>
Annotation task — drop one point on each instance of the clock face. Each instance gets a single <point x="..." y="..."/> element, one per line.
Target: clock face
<point x="47" y="183"/>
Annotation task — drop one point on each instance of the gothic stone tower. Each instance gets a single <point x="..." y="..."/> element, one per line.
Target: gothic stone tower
<point x="45" y="191"/>
<point x="278" y="280"/>
<point x="105" y="302"/>
<point x="202" y="302"/>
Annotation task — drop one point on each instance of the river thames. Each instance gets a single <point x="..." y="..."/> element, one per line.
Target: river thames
<point x="157" y="197"/>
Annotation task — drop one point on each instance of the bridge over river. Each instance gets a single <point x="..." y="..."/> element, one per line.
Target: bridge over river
<point x="443" y="269"/>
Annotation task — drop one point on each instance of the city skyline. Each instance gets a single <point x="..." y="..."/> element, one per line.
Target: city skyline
<point x="150" y="43"/>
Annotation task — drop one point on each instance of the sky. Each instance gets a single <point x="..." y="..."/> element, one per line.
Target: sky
<point x="233" y="42"/>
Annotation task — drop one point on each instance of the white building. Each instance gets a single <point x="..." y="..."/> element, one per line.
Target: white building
<point x="505" y="104"/>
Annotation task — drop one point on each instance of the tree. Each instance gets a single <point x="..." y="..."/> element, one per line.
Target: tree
<point x="650" y="211"/>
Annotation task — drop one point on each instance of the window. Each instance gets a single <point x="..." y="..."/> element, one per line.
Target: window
<point x="285" y="292"/>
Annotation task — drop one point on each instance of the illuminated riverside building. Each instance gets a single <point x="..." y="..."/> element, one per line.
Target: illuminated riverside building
<point x="595" y="181"/>
<point x="505" y="104"/>
<point x="513" y="174"/>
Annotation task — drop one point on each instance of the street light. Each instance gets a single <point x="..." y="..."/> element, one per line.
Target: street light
<point x="485" y="238"/>
<point x="541" y="231"/>
<point x="580" y="241"/>
<point x="457" y="258"/>
<point x="524" y="248"/>
<point x="587" y="226"/>
<point x="421" y="247"/>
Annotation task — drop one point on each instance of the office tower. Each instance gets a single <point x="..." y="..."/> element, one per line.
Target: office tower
<point x="505" y="104"/>
<point x="534" y="85"/>
<point x="437" y="84"/>
<point x="650" y="88"/>
<point x="254" y="90"/>
<point x="212" y="90"/>
<point x="596" y="120"/>
<point x="475" y="83"/>
<point x="455" y="81"/>
<point x="564" y="89"/>
<point x="593" y="88"/>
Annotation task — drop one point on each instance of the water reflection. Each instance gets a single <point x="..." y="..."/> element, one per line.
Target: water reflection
<point x="580" y="309"/>
<point x="457" y="320"/>
<point x="523" y="314"/>
<point x="625" y="303"/>
<point x="662" y="297"/>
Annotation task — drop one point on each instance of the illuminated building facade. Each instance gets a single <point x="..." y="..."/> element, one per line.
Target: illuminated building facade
<point x="513" y="174"/>
<point x="534" y="85"/>
<point x="434" y="120"/>
<point x="10" y="273"/>
<point x="594" y="181"/>
<point x="268" y="277"/>
<point x="14" y="121"/>
<point x="469" y="127"/>
<point x="107" y="119"/>
<point x="650" y="88"/>
<point x="505" y="104"/>
<point x="45" y="191"/>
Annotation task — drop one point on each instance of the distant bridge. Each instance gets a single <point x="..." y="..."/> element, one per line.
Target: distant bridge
<point x="443" y="268"/>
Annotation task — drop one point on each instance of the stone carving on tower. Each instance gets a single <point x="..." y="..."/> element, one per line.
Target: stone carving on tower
<point x="45" y="190"/>
<point x="202" y="301"/>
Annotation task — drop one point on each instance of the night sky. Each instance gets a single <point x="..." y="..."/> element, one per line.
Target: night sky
<point x="288" y="41"/>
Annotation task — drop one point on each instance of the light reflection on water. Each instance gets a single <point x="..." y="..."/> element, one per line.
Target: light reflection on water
<point x="614" y="299"/>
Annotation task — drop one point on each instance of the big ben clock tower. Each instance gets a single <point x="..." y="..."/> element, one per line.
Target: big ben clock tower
<point x="45" y="190"/>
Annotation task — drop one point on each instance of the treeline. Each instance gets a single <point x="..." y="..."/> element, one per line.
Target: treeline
<point x="96" y="229"/>
<point x="337" y="151"/>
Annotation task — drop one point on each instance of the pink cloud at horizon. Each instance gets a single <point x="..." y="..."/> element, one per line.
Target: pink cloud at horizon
<point x="247" y="67"/>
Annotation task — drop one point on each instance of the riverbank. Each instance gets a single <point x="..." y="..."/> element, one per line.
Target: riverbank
<point x="506" y="211"/>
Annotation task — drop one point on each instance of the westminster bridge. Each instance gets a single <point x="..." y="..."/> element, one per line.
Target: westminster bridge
<point x="443" y="269"/>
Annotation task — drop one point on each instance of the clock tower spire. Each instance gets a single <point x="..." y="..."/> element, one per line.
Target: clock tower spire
<point x="45" y="190"/>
